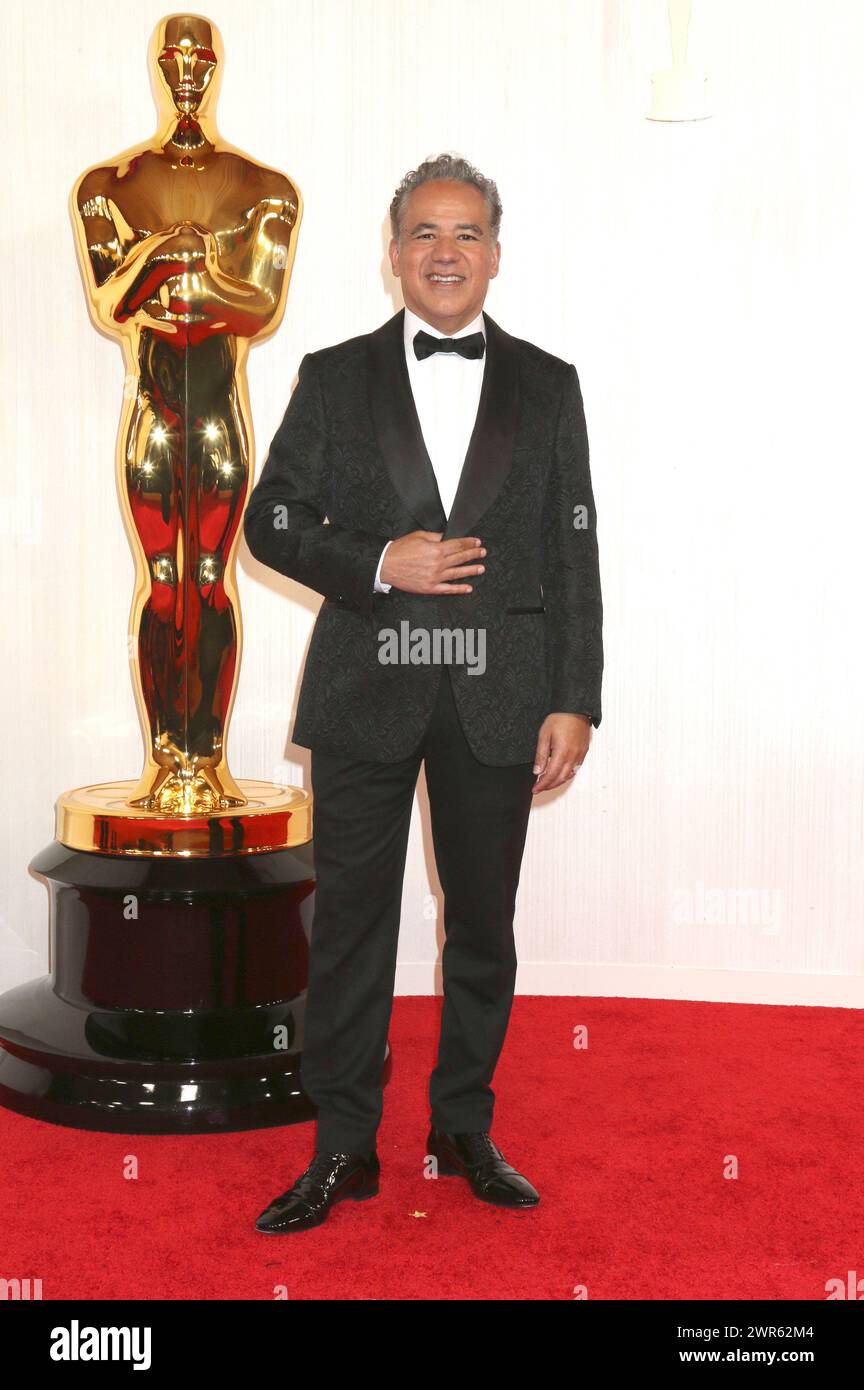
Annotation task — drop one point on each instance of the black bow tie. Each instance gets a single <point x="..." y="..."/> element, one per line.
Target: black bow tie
<point x="472" y="345"/>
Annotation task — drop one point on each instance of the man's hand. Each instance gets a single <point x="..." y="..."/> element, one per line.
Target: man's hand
<point x="421" y="563"/>
<point x="562" y="744"/>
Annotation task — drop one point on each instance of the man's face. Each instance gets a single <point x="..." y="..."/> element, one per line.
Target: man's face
<point x="445" y="256"/>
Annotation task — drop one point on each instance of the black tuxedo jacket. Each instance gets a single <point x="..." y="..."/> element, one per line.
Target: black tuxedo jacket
<point x="348" y="470"/>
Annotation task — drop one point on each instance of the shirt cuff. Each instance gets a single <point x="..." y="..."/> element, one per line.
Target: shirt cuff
<point x="380" y="586"/>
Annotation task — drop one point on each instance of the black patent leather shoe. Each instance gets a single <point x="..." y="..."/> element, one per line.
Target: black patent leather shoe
<point x="475" y="1157"/>
<point x="330" y="1178"/>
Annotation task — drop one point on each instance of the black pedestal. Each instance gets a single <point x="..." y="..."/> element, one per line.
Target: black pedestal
<point x="176" y="994"/>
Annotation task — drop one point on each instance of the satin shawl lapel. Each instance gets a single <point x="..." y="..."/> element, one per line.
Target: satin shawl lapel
<point x="397" y="425"/>
<point x="400" y="438"/>
<point x="490" y="450"/>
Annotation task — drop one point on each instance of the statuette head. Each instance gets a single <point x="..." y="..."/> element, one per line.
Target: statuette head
<point x="185" y="58"/>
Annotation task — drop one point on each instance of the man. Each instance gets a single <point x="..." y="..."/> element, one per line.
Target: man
<point x="431" y="480"/>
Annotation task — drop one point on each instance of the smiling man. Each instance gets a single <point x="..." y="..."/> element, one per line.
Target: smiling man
<point x="429" y="477"/>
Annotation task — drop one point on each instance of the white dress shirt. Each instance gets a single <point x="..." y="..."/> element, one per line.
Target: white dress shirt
<point x="446" y="390"/>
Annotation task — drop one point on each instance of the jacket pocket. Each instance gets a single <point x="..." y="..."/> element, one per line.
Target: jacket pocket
<point x="539" y="608"/>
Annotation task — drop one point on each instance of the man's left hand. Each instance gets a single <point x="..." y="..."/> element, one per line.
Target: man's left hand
<point x="562" y="743"/>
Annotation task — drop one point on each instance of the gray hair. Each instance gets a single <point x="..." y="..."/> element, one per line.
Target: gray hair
<point x="446" y="166"/>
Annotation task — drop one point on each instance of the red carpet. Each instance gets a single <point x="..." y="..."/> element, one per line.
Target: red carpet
<point x="626" y="1142"/>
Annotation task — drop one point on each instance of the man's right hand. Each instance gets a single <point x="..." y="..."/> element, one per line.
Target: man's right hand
<point x="421" y="563"/>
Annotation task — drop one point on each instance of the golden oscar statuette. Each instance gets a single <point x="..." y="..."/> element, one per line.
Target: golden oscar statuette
<point x="181" y="900"/>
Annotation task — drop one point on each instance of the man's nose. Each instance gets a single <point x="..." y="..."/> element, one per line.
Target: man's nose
<point x="446" y="252"/>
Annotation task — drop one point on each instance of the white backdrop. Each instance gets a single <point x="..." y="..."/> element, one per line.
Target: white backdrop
<point x="704" y="278"/>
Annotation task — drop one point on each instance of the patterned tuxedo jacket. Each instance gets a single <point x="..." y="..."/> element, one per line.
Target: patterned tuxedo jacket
<point x="348" y="470"/>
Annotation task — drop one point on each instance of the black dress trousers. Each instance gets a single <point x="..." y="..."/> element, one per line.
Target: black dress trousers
<point x="362" y="814"/>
